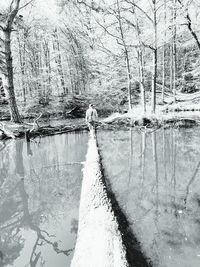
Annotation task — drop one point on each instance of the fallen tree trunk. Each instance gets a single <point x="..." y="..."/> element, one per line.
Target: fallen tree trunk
<point x="99" y="241"/>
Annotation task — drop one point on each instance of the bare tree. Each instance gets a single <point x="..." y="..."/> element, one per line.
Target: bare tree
<point x="174" y="49"/>
<point x="140" y="58"/>
<point x="58" y="60"/>
<point x="155" y="57"/>
<point x="7" y="27"/>
<point x="164" y="51"/>
<point x="189" y="20"/>
<point x="125" y="52"/>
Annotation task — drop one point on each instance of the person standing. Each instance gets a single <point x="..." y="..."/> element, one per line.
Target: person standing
<point x="91" y="117"/>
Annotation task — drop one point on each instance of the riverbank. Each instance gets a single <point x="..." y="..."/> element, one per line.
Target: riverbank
<point x="115" y="121"/>
<point x="135" y="118"/>
<point x="41" y="128"/>
<point x="67" y="115"/>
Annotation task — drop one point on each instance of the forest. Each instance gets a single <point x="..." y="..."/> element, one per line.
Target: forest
<point x="120" y="189"/>
<point x="60" y="55"/>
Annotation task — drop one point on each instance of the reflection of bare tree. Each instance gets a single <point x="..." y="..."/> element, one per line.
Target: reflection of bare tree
<point x="42" y="236"/>
<point x="143" y="154"/>
<point x="3" y="169"/>
<point x="28" y="149"/>
<point x="164" y="154"/>
<point x="155" y="163"/>
<point x="157" y="235"/>
<point x="74" y="226"/>
<point x="10" y="219"/>
<point x="130" y="160"/>
<point x="2" y="145"/>
<point x="10" y="243"/>
<point x="173" y="167"/>
<point x="194" y="175"/>
<point x="19" y="164"/>
<point x="174" y="158"/>
<point x="21" y="211"/>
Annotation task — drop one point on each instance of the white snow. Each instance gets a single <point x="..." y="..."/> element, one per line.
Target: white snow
<point x="99" y="242"/>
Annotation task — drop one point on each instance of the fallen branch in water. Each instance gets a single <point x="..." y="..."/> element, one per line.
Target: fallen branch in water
<point x="28" y="132"/>
<point x="6" y="132"/>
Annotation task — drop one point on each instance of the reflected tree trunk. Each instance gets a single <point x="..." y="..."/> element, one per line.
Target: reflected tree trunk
<point x="130" y="162"/>
<point x="155" y="164"/>
<point x="19" y="163"/>
<point x="194" y="175"/>
<point x="27" y="219"/>
<point x="43" y="237"/>
<point x="174" y="158"/>
<point x="173" y="167"/>
<point x="143" y="155"/>
<point x="164" y="154"/>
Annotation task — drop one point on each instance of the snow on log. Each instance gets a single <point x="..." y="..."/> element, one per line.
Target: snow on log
<point x="99" y="241"/>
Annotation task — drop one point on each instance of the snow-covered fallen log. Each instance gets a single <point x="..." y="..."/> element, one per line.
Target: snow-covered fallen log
<point x="99" y="241"/>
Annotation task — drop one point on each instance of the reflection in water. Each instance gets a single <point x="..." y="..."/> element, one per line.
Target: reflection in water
<point x="161" y="170"/>
<point x="39" y="199"/>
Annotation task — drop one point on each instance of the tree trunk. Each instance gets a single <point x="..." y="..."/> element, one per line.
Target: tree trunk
<point x="163" y="55"/>
<point x="128" y="79"/>
<point x="126" y="56"/>
<point x="171" y="66"/>
<point x="174" y="50"/>
<point x="141" y="74"/>
<point x="154" y="79"/>
<point x="140" y="62"/>
<point x="14" y="113"/>
<point x="58" y="60"/>
<point x="154" y="74"/>
<point x="22" y="48"/>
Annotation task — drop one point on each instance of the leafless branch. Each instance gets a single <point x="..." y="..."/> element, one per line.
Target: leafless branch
<point x="105" y="28"/>
<point x="139" y="8"/>
<point x="26" y="4"/>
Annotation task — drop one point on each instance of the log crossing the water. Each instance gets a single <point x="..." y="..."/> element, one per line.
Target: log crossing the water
<point x="99" y="241"/>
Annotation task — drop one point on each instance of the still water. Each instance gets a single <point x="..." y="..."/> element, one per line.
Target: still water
<point x="156" y="179"/>
<point x="40" y="188"/>
<point x="154" y="175"/>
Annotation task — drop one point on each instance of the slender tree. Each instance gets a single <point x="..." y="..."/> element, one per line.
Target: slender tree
<point x="155" y="57"/>
<point x="174" y="49"/>
<point x="164" y="51"/>
<point x="58" y="60"/>
<point x="126" y="53"/>
<point x="140" y="58"/>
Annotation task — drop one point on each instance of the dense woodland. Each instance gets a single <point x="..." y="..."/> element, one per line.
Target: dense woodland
<point x="118" y="52"/>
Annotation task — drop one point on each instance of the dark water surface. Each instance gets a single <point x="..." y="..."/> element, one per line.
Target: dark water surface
<point x="40" y="189"/>
<point x="156" y="179"/>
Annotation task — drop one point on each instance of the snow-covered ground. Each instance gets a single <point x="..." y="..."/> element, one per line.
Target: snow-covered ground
<point x="99" y="242"/>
